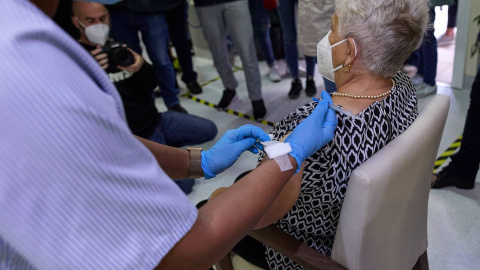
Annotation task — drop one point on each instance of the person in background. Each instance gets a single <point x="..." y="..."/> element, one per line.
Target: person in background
<point x="261" y="28"/>
<point x="425" y="60"/>
<point x="127" y="19"/>
<point x="177" y="28"/>
<point x="135" y="84"/>
<point x="226" y="16"/>
<point x="448" y="38"/>
<point x="286" y="12"/>
<point x="462" y="171"/>
<point x="314" y="19"/>
<point x="426" y="57"/>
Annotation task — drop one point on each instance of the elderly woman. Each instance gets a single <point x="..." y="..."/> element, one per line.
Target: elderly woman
<point x="363" y="53"/>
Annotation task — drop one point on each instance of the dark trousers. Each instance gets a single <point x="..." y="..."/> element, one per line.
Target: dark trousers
<point x="177" y="27"/>
<point x="425" y="58"/>
<point x="452" y="15"/>
<point x="153" y="26"/>
<point x="261" y="29"/>
<point x="466" y="161"/>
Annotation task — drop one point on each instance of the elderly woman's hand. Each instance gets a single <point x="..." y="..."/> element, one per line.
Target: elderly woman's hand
<point x="314" y="132"/>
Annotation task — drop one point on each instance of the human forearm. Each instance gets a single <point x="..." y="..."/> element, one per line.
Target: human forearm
<point x="174" y="161"/>
<point x="227" y="218"/>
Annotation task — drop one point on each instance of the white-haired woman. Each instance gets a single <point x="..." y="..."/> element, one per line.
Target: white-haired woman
<point x="363" y="53"/>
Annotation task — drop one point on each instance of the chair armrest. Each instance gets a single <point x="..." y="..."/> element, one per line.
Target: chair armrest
<point x="294" y="249"/>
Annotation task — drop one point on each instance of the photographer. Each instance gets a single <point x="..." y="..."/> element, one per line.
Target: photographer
<point x="135" y="83"/>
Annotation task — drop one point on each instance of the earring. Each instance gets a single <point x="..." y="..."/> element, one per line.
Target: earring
<point x="346" y="68"/>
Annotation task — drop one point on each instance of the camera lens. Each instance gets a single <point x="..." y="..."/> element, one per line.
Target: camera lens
<point x="122" y="57"/>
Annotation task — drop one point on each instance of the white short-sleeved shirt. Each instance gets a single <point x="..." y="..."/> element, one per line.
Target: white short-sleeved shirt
<point x="77" y="190"/>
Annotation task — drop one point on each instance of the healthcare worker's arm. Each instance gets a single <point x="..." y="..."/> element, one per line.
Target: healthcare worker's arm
<point x="176" y="162"/>
<point x="285" y="200"/>
<point x="228" y="217"/>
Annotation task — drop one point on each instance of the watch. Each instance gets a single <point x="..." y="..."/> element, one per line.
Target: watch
<point x="195" y="162"/>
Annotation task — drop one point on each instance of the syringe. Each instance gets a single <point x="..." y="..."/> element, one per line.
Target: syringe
<point x="340" y="110"/>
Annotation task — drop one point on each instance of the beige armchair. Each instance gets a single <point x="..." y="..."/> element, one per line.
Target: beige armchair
<point x="383" y="223"/>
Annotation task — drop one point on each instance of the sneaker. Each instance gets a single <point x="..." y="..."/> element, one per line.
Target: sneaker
<point x="444" y="41"/>
<point x="417" y="80"/>
<point x="227" y="98"/>
<point x="274" y="74"/>
<point x="178" y="108"/>
<point x="194" y="88"/>
<point x="311" y="88"/>
<point x="296" y="88"/>
<point x="259" y="110"/>
<point x="410" y="70"/>
<point x="448" y="178"/>
<point x="424" y="90"/>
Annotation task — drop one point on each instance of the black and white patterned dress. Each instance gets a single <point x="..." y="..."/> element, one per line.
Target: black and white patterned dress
<point x="314" y="218"/>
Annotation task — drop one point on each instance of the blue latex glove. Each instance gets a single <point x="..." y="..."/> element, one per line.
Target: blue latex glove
<point x="229" y="148"/>
<point x="314" y="132"/>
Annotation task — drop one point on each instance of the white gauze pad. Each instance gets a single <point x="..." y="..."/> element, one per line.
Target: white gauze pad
<point x="278" y="151"/>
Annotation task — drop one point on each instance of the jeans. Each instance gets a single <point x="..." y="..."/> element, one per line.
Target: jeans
<point x="125" y="27"/>
<point x="311" y="62"/>
<point x="286" y="12"/>
<point x="261" y="28"/>
<point x="177" y="27"/>
<point x="231" y="17"/>
<point x="466" y="161"/>
<point x="426" y="57"/>
<point x="181" y="129"/>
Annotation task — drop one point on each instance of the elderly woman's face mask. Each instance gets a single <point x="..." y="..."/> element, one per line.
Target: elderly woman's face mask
<point x="324" y="57"/>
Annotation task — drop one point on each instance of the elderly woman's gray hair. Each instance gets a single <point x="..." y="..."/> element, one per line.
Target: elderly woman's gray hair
<point x="387" y="31"/>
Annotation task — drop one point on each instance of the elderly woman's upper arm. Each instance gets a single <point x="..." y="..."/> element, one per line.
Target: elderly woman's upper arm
<point x="285" y="200"/>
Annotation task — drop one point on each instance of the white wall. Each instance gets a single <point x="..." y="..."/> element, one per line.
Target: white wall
<point x="465" y="67"/>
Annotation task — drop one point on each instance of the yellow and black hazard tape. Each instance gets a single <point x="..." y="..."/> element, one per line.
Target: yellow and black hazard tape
<point x="232" y="112"/>
<point x="450" y="151"/>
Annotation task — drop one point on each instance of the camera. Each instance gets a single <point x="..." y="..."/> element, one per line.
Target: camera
<point x="118" y="54"/>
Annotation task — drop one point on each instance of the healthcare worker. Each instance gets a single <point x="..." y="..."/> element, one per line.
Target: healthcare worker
<point x="79" y="191"/>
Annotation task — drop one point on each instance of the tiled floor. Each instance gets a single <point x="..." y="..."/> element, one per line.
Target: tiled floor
<point x="454" y="215"/>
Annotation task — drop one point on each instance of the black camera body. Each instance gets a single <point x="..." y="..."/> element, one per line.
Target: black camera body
<point x="118" y="54"/>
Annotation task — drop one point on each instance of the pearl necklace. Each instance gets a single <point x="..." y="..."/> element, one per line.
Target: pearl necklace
<point x="365" y="97"/>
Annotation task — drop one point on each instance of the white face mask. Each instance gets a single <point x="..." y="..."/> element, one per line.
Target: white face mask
<point x="324" y="57"/>
<point x="96" y="33"/>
